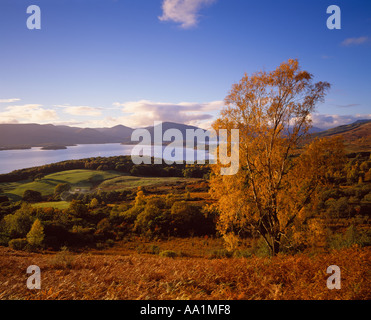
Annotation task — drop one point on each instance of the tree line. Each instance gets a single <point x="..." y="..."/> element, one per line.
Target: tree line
<point x="122" y="164"/>
<point x="96" y="224"/>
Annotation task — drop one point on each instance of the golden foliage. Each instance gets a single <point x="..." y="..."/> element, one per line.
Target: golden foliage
<point x="276" y="180"/>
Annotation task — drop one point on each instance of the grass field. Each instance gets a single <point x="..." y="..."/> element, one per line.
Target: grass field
<point x="46" y="185"/>
<point x="55" y="204"/>
<point x="104" y="180"/>
<point x="126" y="182"/>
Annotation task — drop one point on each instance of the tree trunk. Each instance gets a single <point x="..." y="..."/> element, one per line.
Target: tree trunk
<point x="276" y="244"/>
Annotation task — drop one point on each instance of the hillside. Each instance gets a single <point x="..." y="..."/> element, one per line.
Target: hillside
<point x="33" y="135"/>
<point x="357" y="136"/>
<point x="46" y="185"/>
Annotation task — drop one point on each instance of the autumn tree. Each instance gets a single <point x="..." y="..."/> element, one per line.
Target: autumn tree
<point x="36" y="235"/>
<point x="140" y="198"/>
<point x="18" y="224"/>
<point x="78" y="209"/>
<point x="32" y="196"/>
<point x="277" y="178"/>
<point x="94" y="203"/>
<point x="61" y="188"/>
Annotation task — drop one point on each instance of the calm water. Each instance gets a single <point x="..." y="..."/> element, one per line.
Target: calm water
<point x="19" y="159"/>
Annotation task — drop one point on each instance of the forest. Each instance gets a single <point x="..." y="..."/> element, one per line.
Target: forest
<point x="100" y="217"/>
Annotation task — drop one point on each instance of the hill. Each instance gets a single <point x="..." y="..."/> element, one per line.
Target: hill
<point x="357" y="135"/>
<point x="166" y="126"/>
<point x="36" y="135"/>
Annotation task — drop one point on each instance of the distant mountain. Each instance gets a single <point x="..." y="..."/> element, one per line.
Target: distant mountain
<point x="36" y="135"/>
<point x="315" y="130"/>
<point x="172" y="125"/>
<point x="165" y="126"/>
<point x="118" y="133"/>
<point x="12" y="135"/>
<point x="357" y="135"/>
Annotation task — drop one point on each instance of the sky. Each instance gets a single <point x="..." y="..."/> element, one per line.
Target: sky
<point x="100" y="63"/>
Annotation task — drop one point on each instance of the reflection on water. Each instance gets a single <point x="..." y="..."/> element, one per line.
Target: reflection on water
<point x="19" y="159"/>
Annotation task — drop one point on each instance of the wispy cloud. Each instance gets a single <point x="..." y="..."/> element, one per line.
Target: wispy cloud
<point x="8" y="100"/>
<point x="326" y="121"/>
<point x="81" y="110"/>
<point x="144" y="113"/>
<point x="27" y="113"/>
<point x="355" y="41"/>
<point x="185" y="12"/>
<point x="347" y="105"/>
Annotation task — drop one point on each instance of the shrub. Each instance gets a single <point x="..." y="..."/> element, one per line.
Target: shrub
<point x="94" y="203"/>
<point x="260" y="248"/>
<point x="182" y="214"/>
<point x="130" y="215"/>
<point x="110" y="242"/>
<point x="146" y="220"/>
<point x="4" y="239"/>
<point x="231" y="241"/>
<point x="219" y="254"/>
<point x="168" y="254"/>
<point x="18" y="244"/>
<point x="78" y="209"/>
<point x="242" y="254"/>
<point x="154" y="249"/>
<point x="352" y="236"/>
<point x="60" y="188"/>
<point x="63" y="259"/>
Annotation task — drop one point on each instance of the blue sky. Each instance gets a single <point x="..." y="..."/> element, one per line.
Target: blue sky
<point x="101" y="63"/>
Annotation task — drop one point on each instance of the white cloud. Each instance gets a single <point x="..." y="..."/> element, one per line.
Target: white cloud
<point x="106" y="122"/>
<point x="8" y="100"/>
<point x="81" y="110"/>
<point x="355" y="41"/>
<point x="326" y="121"/>
<point x="185" y="12"/>
<point x="28" y="113"/>
<point x="143" y="113"/>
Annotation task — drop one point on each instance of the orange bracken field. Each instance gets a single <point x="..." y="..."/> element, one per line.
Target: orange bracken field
<point x="140" y="276"/>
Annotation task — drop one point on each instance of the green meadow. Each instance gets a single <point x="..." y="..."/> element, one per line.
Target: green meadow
<point x="85" y="179"/>
<point x="127" y="182"/>
<point x="46" y="185"/>
<point x="53" y="204"/>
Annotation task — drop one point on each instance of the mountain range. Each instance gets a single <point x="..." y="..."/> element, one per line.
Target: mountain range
<point x="14" y="136"/>
<point x="357" y="135"/>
